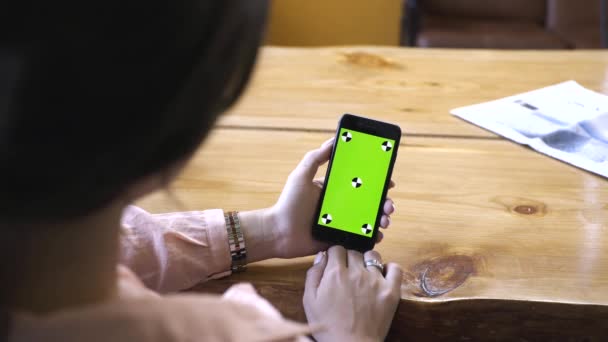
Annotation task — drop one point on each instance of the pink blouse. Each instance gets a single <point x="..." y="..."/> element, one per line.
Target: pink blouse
<point x="164" y="253"/>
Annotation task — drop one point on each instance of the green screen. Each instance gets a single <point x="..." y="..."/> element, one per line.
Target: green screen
<point x="356" y="180"/>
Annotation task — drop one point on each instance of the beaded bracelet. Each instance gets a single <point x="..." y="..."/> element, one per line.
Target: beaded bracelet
<point x="236" y="242"/>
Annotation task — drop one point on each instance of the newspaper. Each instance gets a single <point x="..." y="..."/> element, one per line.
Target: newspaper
<point x="565" y="121"/>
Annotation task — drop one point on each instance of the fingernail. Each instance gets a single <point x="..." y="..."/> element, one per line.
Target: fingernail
<point x="394" y="208"/>
<point x="318" y="258"/>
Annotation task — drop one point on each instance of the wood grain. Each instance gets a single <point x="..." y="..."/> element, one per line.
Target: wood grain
<point x="474" y="319"/>
<point x="497" y="240"/>
<point x="310" y="88"/>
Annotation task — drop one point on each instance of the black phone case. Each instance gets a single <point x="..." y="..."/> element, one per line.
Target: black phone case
<point x="346" y="239"/>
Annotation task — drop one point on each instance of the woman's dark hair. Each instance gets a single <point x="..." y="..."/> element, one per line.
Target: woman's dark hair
<point x="95" y="95"/>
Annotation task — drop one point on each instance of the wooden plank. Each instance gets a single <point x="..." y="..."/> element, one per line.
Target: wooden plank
<point x="311" y="88"/>
<point x="471" y="319"/>
<point x="485" y="229"/>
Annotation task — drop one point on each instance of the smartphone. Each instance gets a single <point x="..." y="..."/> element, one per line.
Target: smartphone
<point x="356" y="182"/>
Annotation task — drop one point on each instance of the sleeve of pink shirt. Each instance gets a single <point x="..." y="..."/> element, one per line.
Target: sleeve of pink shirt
<point x="175" y="251"/>
<point x="168" y="252"/>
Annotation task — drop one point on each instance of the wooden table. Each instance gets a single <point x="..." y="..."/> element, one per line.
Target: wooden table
<point x="498" y="241"/>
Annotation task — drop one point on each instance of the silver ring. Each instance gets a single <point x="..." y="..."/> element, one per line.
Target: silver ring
<point x="375" y="263"/>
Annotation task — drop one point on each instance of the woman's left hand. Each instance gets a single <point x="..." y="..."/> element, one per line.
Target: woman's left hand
<point x="291" y="217"/>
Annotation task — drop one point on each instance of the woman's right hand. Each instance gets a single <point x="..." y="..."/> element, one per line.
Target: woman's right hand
<point x="352" y="302"/>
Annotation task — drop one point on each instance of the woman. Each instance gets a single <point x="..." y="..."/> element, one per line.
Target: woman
<point x="102" y="103"/>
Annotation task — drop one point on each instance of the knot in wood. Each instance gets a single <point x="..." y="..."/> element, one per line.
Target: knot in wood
<point x="369" y="60"/>
<point x="525" y="209"/>
<point x="445" y="274"/>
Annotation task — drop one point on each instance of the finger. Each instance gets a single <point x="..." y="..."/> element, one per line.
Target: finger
<point x="373" y="255"/>
<point x="389" y="206"/>
<point x="385" y="221"/>
<point x="379" y="237"/>
<point x="318" y="182"/>
<point x="394" y="276"/>
<point x="329" y="142"/>
<point x="313" y="159"/>
<point x="315" y="274"/>
<point x="355" y="259"/>
<point x="336" y="257"/>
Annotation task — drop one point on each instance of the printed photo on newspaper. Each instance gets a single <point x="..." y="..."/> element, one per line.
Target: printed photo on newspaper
<point x="565" y="121"/>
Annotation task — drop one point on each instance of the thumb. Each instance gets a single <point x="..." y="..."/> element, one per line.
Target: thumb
<point x="313" y="159"/>
<point x="314" y="275"/>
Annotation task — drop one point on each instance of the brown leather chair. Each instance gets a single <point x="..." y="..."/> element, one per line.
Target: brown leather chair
<point x="508" y="24"/>
<point x="576" y="21"/>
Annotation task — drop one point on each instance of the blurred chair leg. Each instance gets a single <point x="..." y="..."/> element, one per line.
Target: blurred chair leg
<point x="410" y="22"/>
<point x="604" y="24"/>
